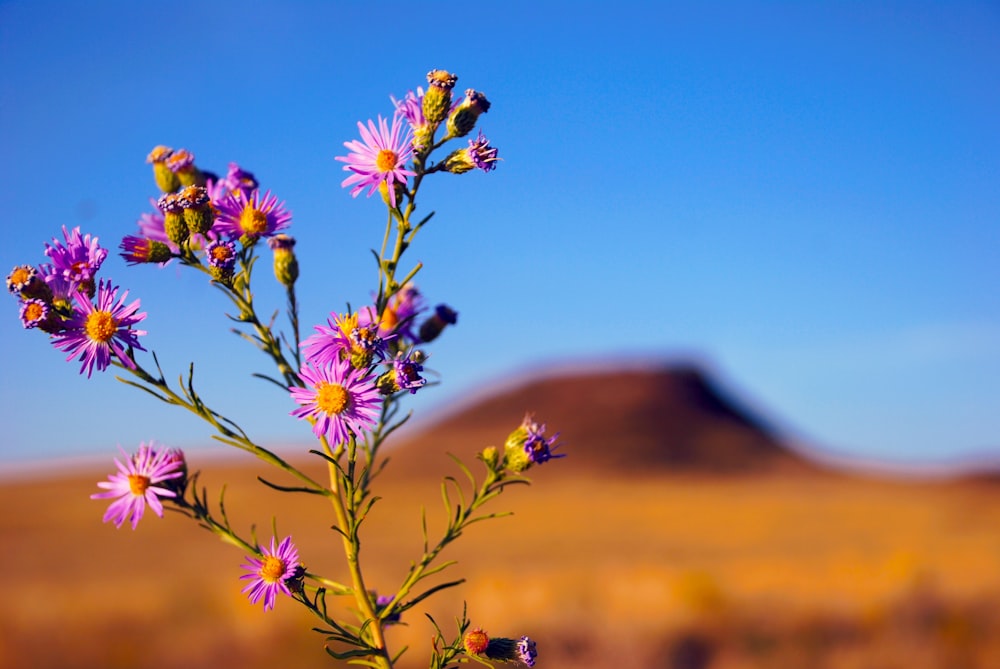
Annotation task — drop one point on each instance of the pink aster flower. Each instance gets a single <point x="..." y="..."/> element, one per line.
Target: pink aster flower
<point x="338" y="398"/>
<point x="271" y="572"/>
<point x="79" y="259"/>
<point x="96" y="331"/>
<point x="252" y="215"/>
<point x="135" y="485"/>
<point x="380" y="158"/>
<point x="346" y="336"/>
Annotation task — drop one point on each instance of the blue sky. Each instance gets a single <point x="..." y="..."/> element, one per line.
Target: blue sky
<point x="803" y="197"/>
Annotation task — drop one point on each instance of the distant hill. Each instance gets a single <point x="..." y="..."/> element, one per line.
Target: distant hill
<point x="667" y="418"/>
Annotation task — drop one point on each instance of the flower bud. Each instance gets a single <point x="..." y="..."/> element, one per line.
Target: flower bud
<point x="173" y="218"/>
<point x="437" y="99"/>
<point x="463" y="118"/>
<point x="475" y="641"/>
<point x="197" y="209"/>
<point x="181" y="163"/>
<point x="433" y="326"/>
<point x="166" y="179"/>
<point x="490" y="457"/>
<point x="175" y="456"/>
<point x="398" y="190"/>
<point x="286" y="266"/>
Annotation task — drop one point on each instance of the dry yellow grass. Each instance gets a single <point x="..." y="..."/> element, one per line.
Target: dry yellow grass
<point x="668" y="571"/>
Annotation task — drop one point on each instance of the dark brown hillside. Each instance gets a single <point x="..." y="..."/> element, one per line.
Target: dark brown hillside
<point x="666" y="418"/>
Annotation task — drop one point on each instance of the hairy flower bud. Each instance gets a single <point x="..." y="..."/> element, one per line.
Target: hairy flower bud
<point x="197" y="209"/>
<point x="490" y="457"/>
<point x="166" y="179"/>
<point x="433" y="326"/>
<point x="173" y="218"/>
<point x="463" y="119"/>
<point x="437" y="99"/>
<point x="181" y="163"/>
<point x="286" y="266"/>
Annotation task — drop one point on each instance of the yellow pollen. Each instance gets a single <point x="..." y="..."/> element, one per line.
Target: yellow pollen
<point x="33" y="311"/>
<point x="20" y="275"/>
<point x="221" y="253"/>
<point x="273" y="569"/>
<point x="138" y="484"/>
<point x="332" y="398"/>
<point x="386" y="160"/>
<point x="253" y="221"/>
<point x="100" y="326"/>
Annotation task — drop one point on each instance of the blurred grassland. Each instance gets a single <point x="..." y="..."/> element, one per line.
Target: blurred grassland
<point x="765" y="570"/>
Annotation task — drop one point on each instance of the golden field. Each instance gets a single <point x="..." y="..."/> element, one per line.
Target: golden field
<point x="677" y="567"/>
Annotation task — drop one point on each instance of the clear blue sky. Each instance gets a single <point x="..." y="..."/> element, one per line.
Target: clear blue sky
<point x="804" y="196"/>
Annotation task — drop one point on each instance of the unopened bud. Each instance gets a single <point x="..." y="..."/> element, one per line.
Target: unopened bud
<point x="437" y="99"/>
<point x="433" y="326"/>
<point x="173" y="218"/>
<point x="181" y="163"/>
<point x="197" y="207"/>
<point x="463" y="119"/>
<point x="165" y="178"/>
<point x="286" y="266"/>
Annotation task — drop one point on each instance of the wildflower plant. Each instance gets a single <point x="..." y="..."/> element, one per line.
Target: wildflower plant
<point x="350" y="378"/>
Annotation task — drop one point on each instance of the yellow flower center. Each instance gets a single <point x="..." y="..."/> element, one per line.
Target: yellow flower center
<point x="221" y="253"/>
<point x="20" y="275"/>
<point x="253" y="221"/>
<point x="332" y="398"/>
<point x="33" y="311"/>
<point x="138" y="484"/>
<point x="386" y="160"/>
<point x="100" y="326"/>
<point x="273" y="569"/>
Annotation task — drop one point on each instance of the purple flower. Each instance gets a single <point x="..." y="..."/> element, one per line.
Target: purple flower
<point x="411" y="107"/>
<point x="398" y="317"/>
<point x="537" y="447"/>
<point x="270" y="572"/>
<point x="379" y="158"/>
<point x="382" y="601"/>
<point x="135" y="484"/>
<point x="252" y="215"/>
<point x="479" y="154"/>
<point x="96" y="331"/>
<point x="483" y="155"/>
<point x="348" y="336"/>
<point x="221" y="255"/>
<point x="526" y="651"/>
<point x="79" y="259"/>
<point x="337" y="398"/>
<point x="406" y="373"/>
<point x="239" y="180"/>
<point x="33" y="313"/>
